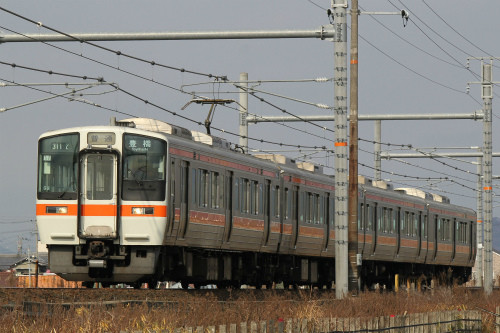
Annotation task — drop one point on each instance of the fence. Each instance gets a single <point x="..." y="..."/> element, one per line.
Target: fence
<point x="436" y="322"/>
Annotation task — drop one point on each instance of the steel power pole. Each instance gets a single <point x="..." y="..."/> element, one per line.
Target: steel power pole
<point x="479" y="232"/>
<point x="354" y="283"/>
<point x="487" y="95"/>
<point x="341" y="181"/>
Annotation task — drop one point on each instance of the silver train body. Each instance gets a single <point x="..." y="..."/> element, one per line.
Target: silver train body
<point x="144" y="201"/>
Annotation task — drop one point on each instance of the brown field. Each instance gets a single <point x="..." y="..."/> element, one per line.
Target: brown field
<point x="81" y="310"/>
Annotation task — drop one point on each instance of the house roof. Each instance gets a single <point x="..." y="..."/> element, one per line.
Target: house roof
<point x="8" y="261"/>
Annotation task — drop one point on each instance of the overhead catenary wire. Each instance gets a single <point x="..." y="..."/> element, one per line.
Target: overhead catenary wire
<point x="101" y="81"/>
<point x="117" y="52"/>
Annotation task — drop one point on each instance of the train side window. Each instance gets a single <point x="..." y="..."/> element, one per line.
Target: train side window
<point x="440" y="229"/>
<point x="415" y="224"/>
<point x="288" y="204"/>
<point x="424" y="226"/>
<point x="255" y="191"/>
<point x="194" y="187"/>
<point x="395" y="221"/>
<point x="321" y="209"/>
<point x="307" y="207"/>
<point x="388" y="220"/>
<point x="385" y="219"/>
<point x="275" y="201"/>
<point x="360" y="216"/>
<point x="368" y="224"/>
<point x="204" y="188"/>
<point x="403" y="223"/>
<point x="301" y="206"/>
<point x="331" y="215"/>
<point x="215" y="195"/>
<point x="462" y="232"/>
<point x="236" y="194"/>
<point x="447" y="229"/>
<point x="260" y="199"/>
<point x="245" y="195"/>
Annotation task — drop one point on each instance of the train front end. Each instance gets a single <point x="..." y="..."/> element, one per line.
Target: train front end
<point x="101" y="203"/>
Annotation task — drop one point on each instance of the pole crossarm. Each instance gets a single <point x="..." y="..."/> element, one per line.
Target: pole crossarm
<point x="322" y="32"/>
<point x="388" y="156"/>
<point x="444" y="116"/>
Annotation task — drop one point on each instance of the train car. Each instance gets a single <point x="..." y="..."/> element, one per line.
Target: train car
<point x="141" y="201"/>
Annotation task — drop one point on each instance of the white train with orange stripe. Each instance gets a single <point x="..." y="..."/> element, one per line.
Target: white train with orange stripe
<point x="144" y="201"/>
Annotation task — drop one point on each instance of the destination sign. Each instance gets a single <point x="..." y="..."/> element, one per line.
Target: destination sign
<point x="95" y="138"/>
<point x="143" y="144"/>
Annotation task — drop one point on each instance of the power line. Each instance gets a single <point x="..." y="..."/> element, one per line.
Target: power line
<point x="117" y="52"/>
<point x="456" y="31"/>
<point x="413" y="45"/>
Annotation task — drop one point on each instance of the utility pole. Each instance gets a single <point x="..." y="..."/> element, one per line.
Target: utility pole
<point x="341" y="179"/>
<point x="354" y="283"/>
<point x="479" y="232"/>
<point x="487" y="96"/>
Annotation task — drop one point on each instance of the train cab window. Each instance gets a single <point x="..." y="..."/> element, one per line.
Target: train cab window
<point x="143" y="168"/>
<point x="58" y="167"/>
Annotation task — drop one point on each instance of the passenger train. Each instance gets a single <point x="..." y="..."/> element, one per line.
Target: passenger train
<point x="142" y="201"/>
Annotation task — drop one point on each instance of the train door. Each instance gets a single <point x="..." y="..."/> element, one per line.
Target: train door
<point x="98" y="206"/>
<point x="228" y="206"/>
<point x="171" y="197"/>
<point x="184" y="198"/>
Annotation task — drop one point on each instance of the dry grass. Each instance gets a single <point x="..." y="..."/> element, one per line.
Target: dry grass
<point x="189" y="310"/>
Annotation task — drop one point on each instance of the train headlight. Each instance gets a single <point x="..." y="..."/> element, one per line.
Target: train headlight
<point x="57" y="210"/>
<point x="143" y="210"/>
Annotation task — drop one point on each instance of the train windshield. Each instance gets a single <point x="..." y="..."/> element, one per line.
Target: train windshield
<point x="58" y="167"/>
<point x="143" y="168"/>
